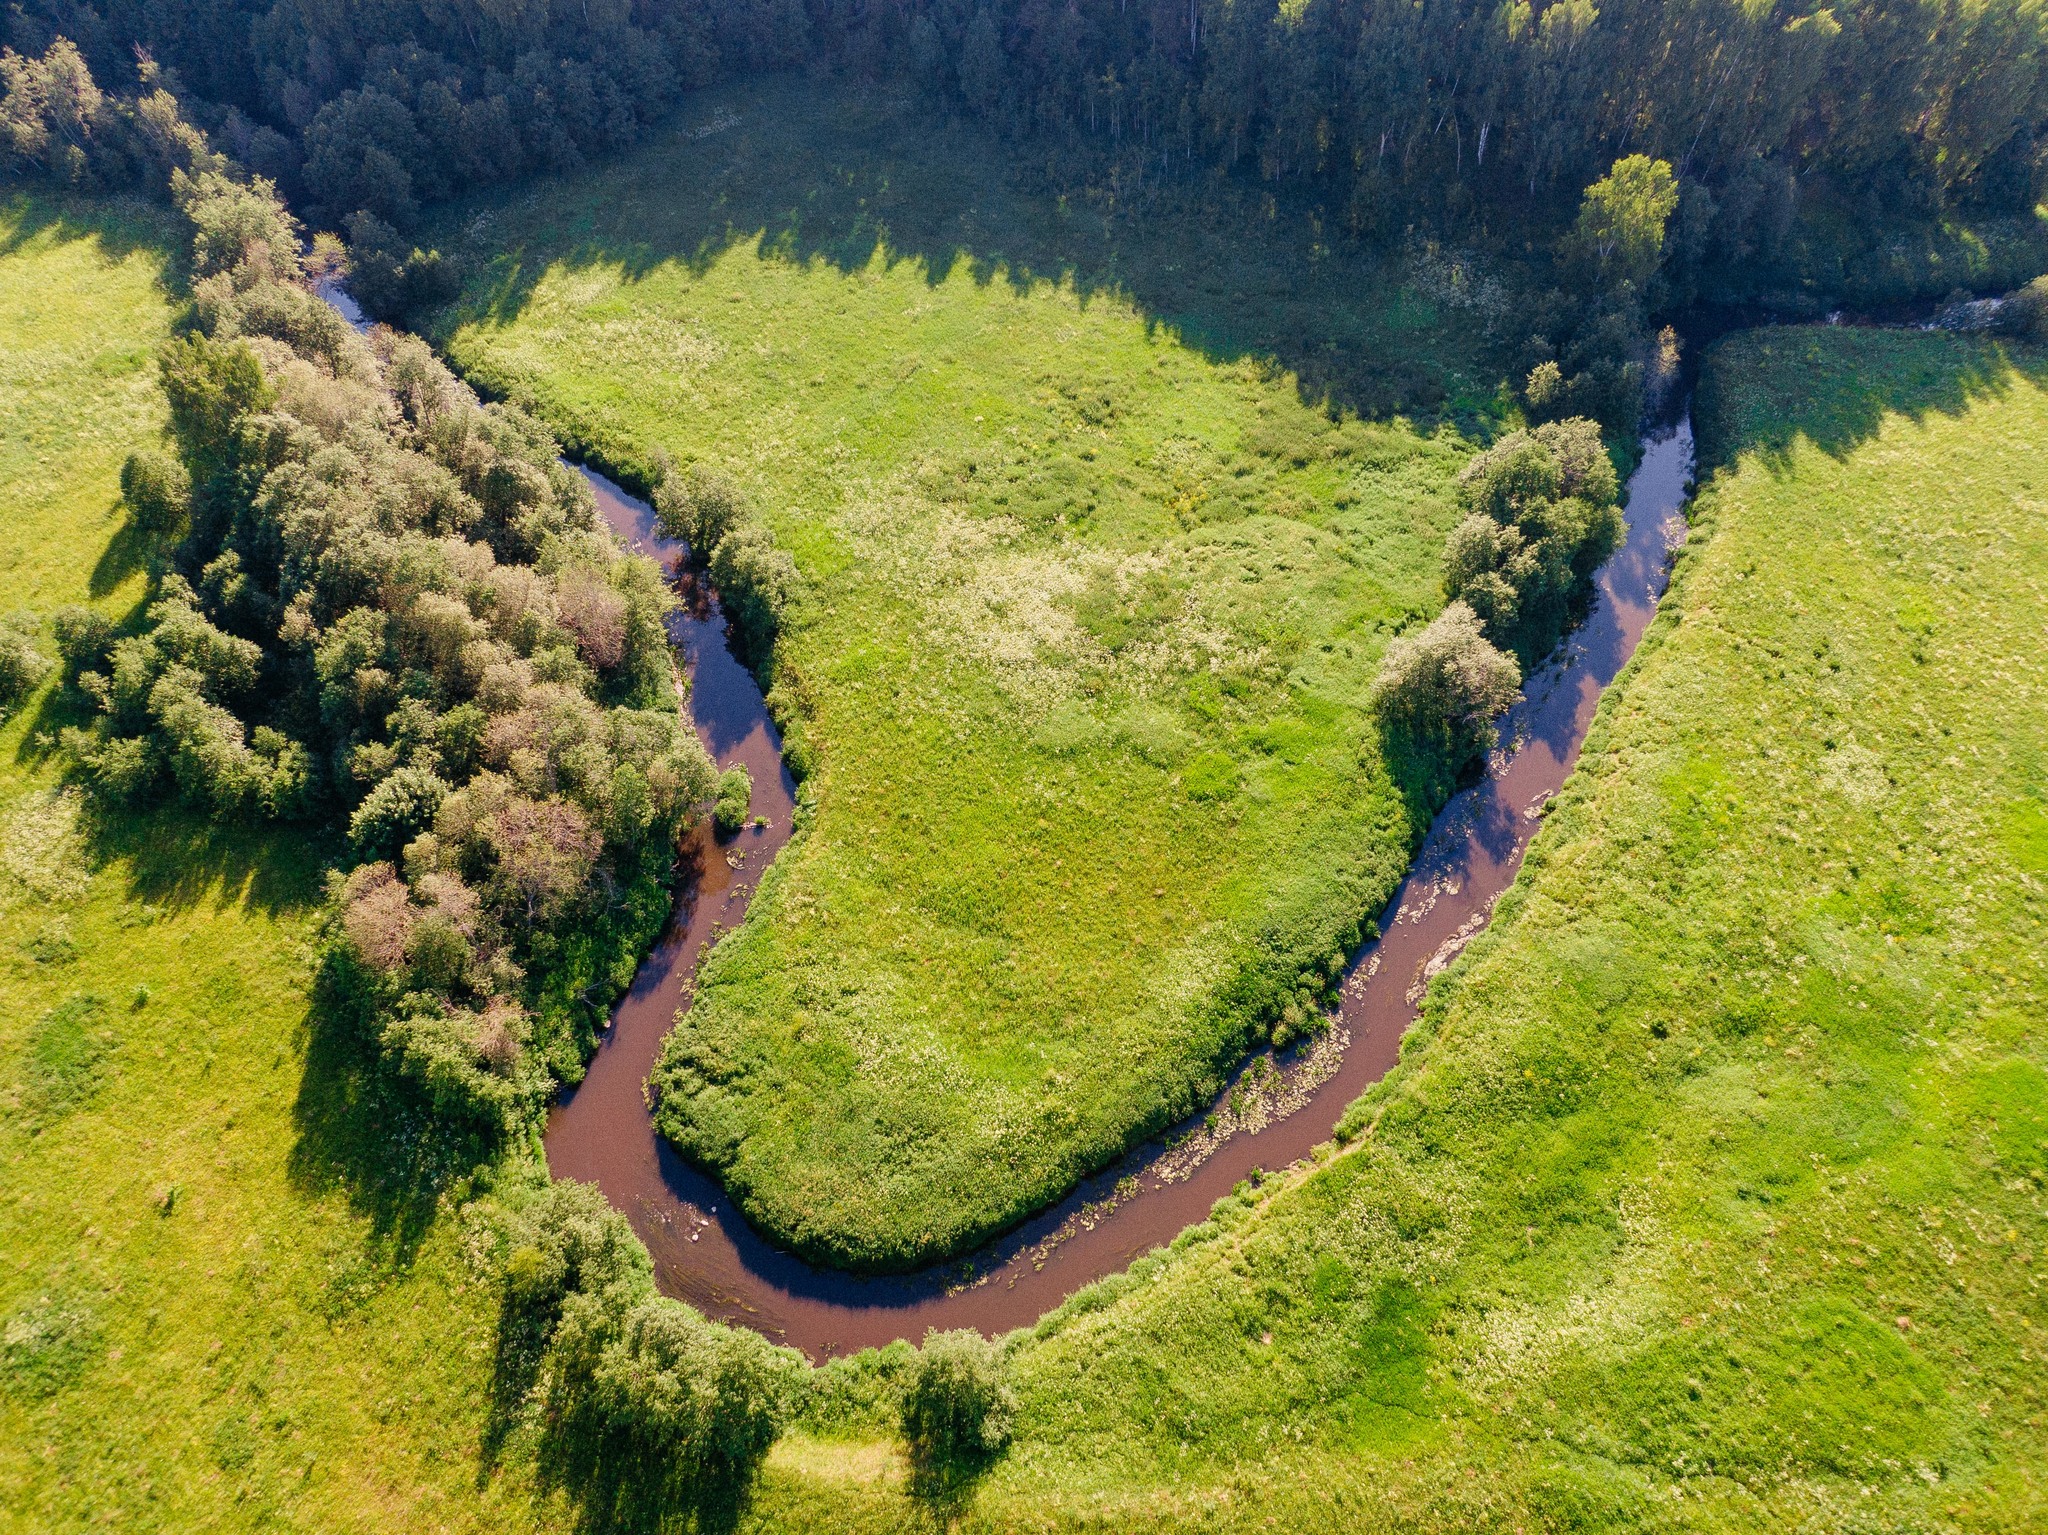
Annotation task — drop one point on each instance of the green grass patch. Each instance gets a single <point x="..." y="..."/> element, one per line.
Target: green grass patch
<point x="80" y="289"/>
<point x="1099" y="561"/>
<point x="1709" y="1195"/>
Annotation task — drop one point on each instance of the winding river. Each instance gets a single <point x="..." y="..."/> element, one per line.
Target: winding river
<point x="705" y="1252"/>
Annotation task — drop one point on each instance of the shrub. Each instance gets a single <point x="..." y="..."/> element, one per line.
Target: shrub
<point x="85" y="639"/>
<point x="699" y="507"/>
<point x="22" y="665"/>
<point x="756" y="582"/>
<point x="957" y="1403"/>
<point x="735" y="798"/>
<point x="1441" y="688"/>
<point x="157" y="490"/>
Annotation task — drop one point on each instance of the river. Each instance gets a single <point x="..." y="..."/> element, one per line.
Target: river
<point x="705" y="1252"/>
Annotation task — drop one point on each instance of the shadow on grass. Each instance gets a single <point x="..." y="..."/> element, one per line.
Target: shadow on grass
<point x="1762" y="392"/>
<point x="943" y="1491"/>
<point x="127" y="552"/>
<point x="359" y="1132"/>
<point x="713" y="1505"/>
<point x="370" y="1135"/>
<point x="815" y="173"/>
<point x="123" y="225"/>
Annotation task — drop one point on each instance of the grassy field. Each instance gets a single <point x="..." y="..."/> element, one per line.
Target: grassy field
<point x="1710" y="1196"/>
<point x="223" y="1305"/>
<point x="84" y="312"/>
<point x="1099" y="562"/>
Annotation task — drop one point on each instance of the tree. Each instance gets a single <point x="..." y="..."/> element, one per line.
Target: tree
<point x="756" y="583"/>
<point x="1622" y="218"/>
<point x="1542" y="518"/>
<point x="397" y="810"/>
<point x="698" y="507"/>
<point x="957" y="1403"/>
<point x="1441" y="689"/>
<point x="157" y="490"/>
<point x="53" y="117"/>
<point x="982" y="66"/>
<point x="237" y="225"/>
<point x="211" y="386"/>
<point x="653" y="1413"/>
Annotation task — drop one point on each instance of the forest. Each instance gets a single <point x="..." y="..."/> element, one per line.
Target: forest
<point x="1156" y="462"/>
<point x="1497" y="114"/>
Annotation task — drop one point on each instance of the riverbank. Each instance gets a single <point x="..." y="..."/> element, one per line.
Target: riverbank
<point x="1093" y="593"/>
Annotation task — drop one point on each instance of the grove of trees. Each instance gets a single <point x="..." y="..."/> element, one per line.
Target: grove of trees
<point x="383" y="605"/>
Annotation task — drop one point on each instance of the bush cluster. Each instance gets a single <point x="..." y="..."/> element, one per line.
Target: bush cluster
<point x="756" y="581"/>
<point x="388" y="607"/>
<point x="649" y="1412"/>
<point x="1541" y="514"/>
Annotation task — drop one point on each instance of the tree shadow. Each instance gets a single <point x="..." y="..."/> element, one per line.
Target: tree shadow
<point x="821" y="173"/>
<point x="1762" y="392"/>
<point x="124" y="225"/>
<point x="943" y="1490"/>
<point x="127" y="552"/>
<point x="179" y="860"/>
<point x="613" y="1495"/>
<point x="366" y="1133"/>
<point x="360" y="1131"/>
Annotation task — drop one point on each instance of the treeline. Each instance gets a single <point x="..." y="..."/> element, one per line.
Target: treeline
<point x="383" y="108"/>
<point x="1917" y="103"/>
<point x="1912" y="106"/>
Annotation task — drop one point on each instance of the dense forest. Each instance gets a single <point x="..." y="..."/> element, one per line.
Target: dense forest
<point x="1905" y="107"/>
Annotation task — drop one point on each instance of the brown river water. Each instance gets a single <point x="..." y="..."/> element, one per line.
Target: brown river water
<point x="1275" y="1114"/>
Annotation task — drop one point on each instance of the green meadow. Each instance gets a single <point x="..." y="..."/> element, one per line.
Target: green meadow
<point x="1098" y="561"/>
<point x="227" y="1300"/>
<point x="1710" y="1192"/>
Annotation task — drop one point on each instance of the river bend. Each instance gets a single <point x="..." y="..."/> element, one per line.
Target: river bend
<point x="705" y="1252"/>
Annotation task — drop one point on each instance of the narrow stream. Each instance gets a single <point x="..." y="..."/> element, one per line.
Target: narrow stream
<point x="705" y="1253"/>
